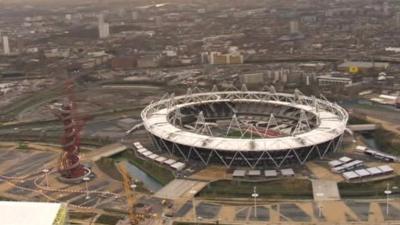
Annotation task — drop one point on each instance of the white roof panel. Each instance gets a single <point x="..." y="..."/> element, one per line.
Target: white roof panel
<point x="178" y="166"/>
<point x="345" y="159"/>
<point x="287" y="172"/>
<point x="161" y="159"/>
<point x="352" y="164"/>
<point x="254" y="173"/>
<point x="350" y="175"/>
<point x="270" y="173"/>
<point x="141" y="150"/>
<point x="374" y="171"/>
<point x="239" y="173"/>
<point x="153" y="156"/>
<point x="335" y="163"/>
<point x="32" y="213"/>
<point x="138" y="145"/>
<point x="385" y="168"/>
<point x="170" y="161"/>
<point x="361" y="148"/>
<point x="147" y="153"/>
<point x="362" y="172"/>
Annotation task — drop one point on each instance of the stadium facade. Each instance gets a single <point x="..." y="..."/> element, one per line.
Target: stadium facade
<point x="245" y="128"/>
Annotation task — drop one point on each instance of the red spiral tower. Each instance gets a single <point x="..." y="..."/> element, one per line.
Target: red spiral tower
<point x="69" y="163"/>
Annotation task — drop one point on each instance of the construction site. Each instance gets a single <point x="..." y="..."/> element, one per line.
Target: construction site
<point x="140" y="180"/>
<point x="209" y="112"/>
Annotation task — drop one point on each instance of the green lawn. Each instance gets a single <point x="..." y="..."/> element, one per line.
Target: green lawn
<point x="369" y="189"/>
<point x="107" y="165"/>
<point x="237" y="134"/>
<point x="387" y="141"/>
<point x="198" y="223"/>
<point x="159" y="173"/>
<point x="285" y="188"/>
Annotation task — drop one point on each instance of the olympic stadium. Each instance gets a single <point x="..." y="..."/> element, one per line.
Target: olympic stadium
<point x="244" y="128"/>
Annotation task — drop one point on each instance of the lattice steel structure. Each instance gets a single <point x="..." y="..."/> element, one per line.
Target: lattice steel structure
<point x="69" y="164"/>
<point x="244" y="128"/>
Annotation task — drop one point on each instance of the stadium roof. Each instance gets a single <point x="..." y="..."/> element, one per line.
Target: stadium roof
<point x="331" y="126"/>
<point x="32" y="213"/>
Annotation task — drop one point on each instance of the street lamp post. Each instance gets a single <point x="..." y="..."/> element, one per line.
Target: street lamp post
<point x="255" y="196"/>
<point x="194" y="192"/>
<point x="86" y="179"/>
<point x="387" y="193"/>
<point x="319" y="211"/>
<point x="46" y="171"/>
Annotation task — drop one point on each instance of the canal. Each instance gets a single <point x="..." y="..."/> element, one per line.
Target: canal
<point x="137" y="174"/>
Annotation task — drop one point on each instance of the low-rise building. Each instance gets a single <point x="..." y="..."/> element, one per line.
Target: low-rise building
<point x="217" y="58"/>
<point x="148" y="61"/>
<point x="327" y="80"/>
<point x="359" y="66"/>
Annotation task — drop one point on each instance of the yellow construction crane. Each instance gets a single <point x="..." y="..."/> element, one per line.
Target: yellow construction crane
<point x="134" y="217"/>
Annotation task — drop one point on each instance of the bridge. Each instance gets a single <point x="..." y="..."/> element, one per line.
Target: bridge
<point x="105" y="151"/>
<point x="362" y="127"/>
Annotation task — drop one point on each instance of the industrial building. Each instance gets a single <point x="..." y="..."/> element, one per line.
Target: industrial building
<point x="104" y="28"/>
<point x="359" y="66"/>
<point x="220" y="59"/>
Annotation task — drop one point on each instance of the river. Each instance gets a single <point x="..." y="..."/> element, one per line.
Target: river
<point x="149" y="182"/>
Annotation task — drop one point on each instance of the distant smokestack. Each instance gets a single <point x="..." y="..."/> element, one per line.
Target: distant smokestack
<point x="386" y="9"/>
<point x="294" y="27"/>
<point x="6" y="45"/>
<point x="104" y="28"/>
<point x="397" y="19"/>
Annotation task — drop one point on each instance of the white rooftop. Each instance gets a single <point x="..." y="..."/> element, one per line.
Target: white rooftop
<point x="147" y="153"/>
<point x="270" y="173"/>
<point x="345" y="159"/>
<point x="287" y="172"/>
<point x="374" y="171"/>
<point x="362" y="172"/>
<point x="352" y="164"/>
<point x="28" y="213"/>
<point x="335" y="163"/>
<point x="153" y="156"/>
<point x="137" y="145"/>
<point x="361" y="148"/>
<point x="141" y="150"/>
<point x="350" y="175"/>
<point x="170" y="161"/>
<point x="385" y="168"/>
<point x="161" y="159"/>
<point x="254" y="173"/>
<point x="363" y="64"/>
<point x="337" y="169"/>
<point x="178" y="166"/>
<point x="239" y="173"/>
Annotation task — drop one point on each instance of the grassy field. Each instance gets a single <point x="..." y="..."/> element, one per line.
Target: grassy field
<point x="159" y="173"/>
<point x="107" y="165"/>
<point x="369" y="189"/>
<point x="285" y="188"/>
<point x="237" y="134"/>
<point x="198" y="223"/>
<point x="108" y="219"/>
<point x="385" y="140"/>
